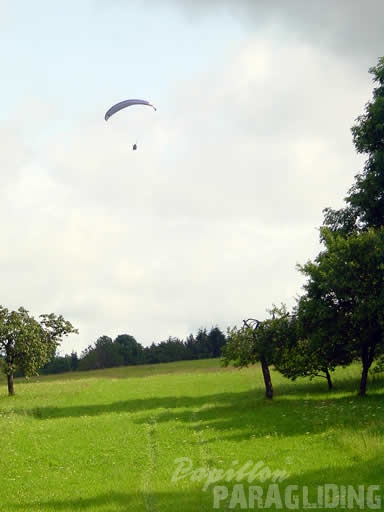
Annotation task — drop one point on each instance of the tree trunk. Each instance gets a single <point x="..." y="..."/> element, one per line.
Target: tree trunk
<point x="267" y="378"/>
<point x="329" y="380"/>
<point x="11" y="390"/>
<point x="363" y="380"/>
<point x="367" y="357"/>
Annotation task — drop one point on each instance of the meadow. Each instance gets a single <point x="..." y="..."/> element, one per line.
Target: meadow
<point x="107" y="440"/>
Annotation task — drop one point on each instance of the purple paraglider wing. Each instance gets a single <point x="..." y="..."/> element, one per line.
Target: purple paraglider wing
<point x="123" y="104"/>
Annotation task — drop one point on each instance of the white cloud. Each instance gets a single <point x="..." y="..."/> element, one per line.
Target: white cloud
<point x="205" y="223"/>
<point x="349" y="28"/>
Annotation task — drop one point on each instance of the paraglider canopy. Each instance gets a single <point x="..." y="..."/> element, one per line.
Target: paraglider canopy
<point x="126" y="103"/>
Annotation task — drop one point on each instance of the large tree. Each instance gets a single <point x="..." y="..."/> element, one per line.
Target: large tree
<point x="345" y="289"/>
<point x="365" y="200"/>
<point x="318" y="345"/>
<point x="28" y="344"/>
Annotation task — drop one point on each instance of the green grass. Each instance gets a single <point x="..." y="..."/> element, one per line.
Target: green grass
<point x="106" y="441"/>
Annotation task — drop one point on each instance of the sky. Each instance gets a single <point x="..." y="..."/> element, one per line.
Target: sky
<point x="205" y="223"/>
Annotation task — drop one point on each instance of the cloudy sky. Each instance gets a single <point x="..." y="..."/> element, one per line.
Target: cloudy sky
<point x="205" y="223"/>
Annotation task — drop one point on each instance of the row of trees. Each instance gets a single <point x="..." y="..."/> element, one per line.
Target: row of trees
<point x="28" y="346"/>
<point x="340" y="317"/>
<point x="125" y="350"/>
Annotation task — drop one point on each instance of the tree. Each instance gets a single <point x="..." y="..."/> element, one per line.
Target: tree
<point x="103" y="354"/>
<point x="61" y="364"/>
<point x="365" y="200"/>
<point x="315" y="347"/>
<point x="150" y="354"/>
<point x="172" y="349"/>
<point x="345" y="282"/>
<point x="130" y="350"/>
<point x="88" y="359"/>
<point x="201" y="345"/>
<point x="26" y="343"/>
<point x="260" y="342"/>
<point x="205" y="344"/>
<point x="216" y="341"/>
<point x="346" y="291"/>
<point x="107" y="353"/>
<point x="74" y="361"/>
<point x="57" y="364"/>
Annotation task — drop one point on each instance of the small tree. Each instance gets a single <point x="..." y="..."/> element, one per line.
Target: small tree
<point x="260" y="342"/>
<point x="28" y="344"/>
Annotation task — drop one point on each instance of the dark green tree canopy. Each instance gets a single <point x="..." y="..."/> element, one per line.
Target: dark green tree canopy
<point x="365" y="200"/>
<point x="129" y="348"/>
<point x="345" y="296"/>
<point x="368" y="133"/>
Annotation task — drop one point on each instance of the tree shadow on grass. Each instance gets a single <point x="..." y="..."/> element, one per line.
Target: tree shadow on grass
<point x="238" y="416"/>
<point x="318" y="385"/>
<point x="345" y="479"/>
<point x="113" y="501"/>
<point x="294" y="393"/>
<point x="241" y="419"/>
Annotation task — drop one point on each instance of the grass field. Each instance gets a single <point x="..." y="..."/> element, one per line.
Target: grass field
<point x="106" y="441"/>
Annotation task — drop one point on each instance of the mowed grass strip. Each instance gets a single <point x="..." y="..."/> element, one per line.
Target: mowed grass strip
<point x="108" y="440"/>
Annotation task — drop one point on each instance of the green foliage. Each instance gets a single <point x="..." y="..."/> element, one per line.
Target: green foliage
<point x="343" y="309"/>
<point x="108" y="353"/>
<point x="26" y="344"/>
<point x="172" y="349"/>
<point x="205" y="344"/>
<point x="104" y="354"/>
<point x="125" y="350"/>
<point x="240" y="349"/>
<point x="317" y="343"/>
<point x="74" y="361"/>
<point x="260" y="341"/>
<point x="57" y="364"/>
<point x="298" y="360"/>
<point x="365" y="201"/>
<point x="255" y="340"/>
<point x="379" y="366"/>
<point x="344" y="300"/>
<point x="129" y="349"/>
<point x="61" y="364"/>
<point x="368" y="133"/>
<point x="216" y="341"/>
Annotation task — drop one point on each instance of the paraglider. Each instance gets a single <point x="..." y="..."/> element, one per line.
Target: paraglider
<point x="127" y="103"/>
